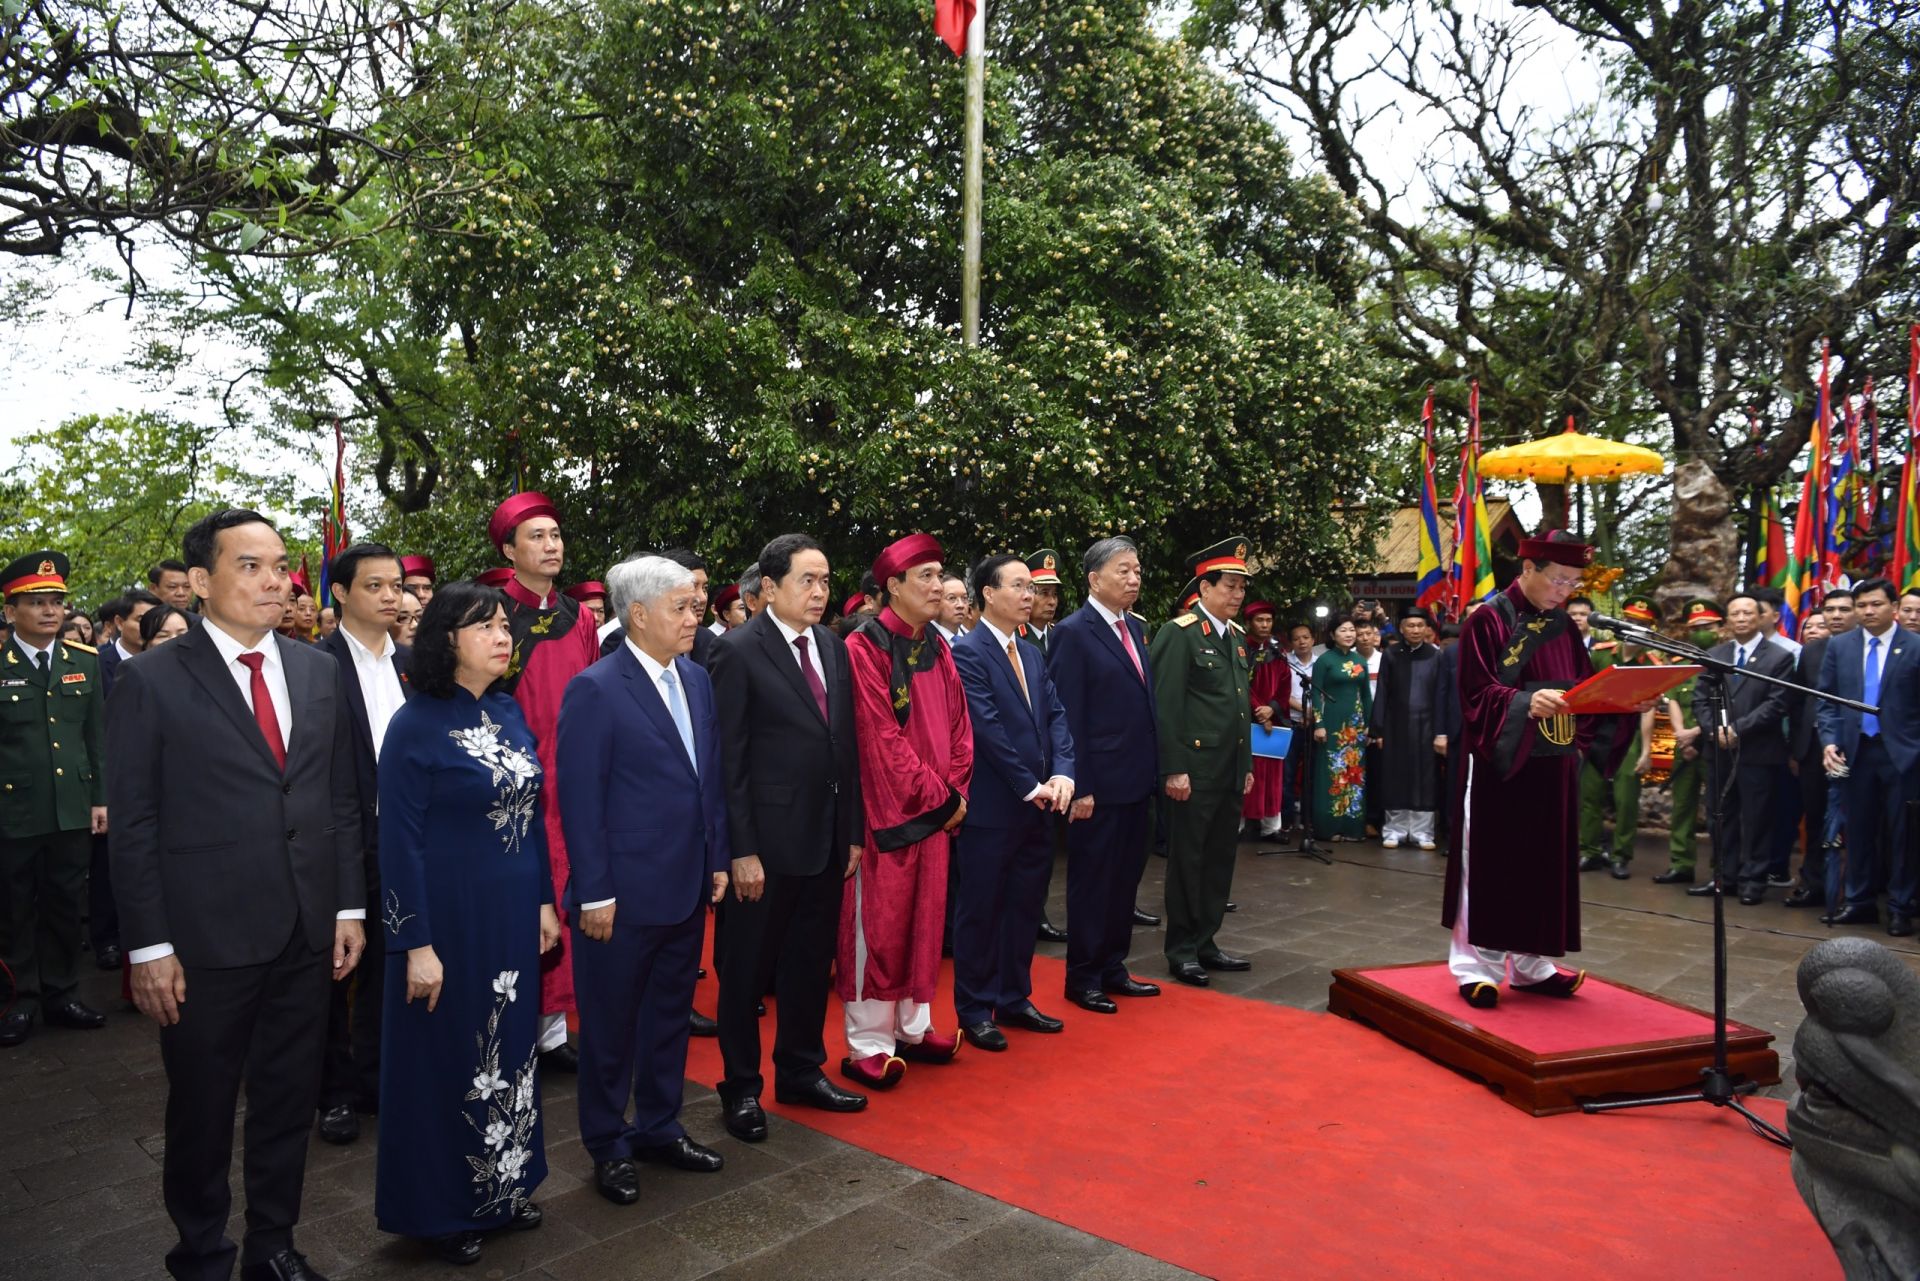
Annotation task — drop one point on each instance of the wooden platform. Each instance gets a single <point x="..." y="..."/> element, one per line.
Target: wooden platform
<point x="1545" y="1082"/>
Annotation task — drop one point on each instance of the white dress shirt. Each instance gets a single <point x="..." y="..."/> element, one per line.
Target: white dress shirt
<point x="32" y="654"/>
<point x="1867" y="654"/>
<point x="812" y="659"/>
<point x="1003" y="639"/>
<point x="275" y="674"/>
<point x="1785" y="642"/>
<point x="120" y="649"/>
<point x="1744" y="651"/>
<point x="379" y="684"/>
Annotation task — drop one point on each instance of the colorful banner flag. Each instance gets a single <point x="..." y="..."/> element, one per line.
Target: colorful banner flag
<point x="951" y="18"/>
<point x="1472" y="547"/>
<point x="1905" y="570"/>
<point x="1430" y="585"/>
<point x="1803" y="585"/>
<point x="1771" y="555"/>
<point x="333" y="529"/>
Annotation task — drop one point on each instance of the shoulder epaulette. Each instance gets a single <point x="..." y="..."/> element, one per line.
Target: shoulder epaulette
<point x="1185" y="620"/>
<point x="84" y="649"/>
<point x="1233" y="624"/>
<point x="1141" y="618"/>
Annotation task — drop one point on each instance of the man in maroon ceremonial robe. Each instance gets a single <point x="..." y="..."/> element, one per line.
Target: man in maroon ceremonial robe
<point x="1517" y="803"/>
<point x="916" y="760"/>
<point x="1270" y="688"/>
<point x="553" y="641"/>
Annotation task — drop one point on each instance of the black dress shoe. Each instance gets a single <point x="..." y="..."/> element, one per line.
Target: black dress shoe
<point x="1805" y="896"/>
<point x="618" y="1181"/>
<point x="1593" y="862"/>
<point x="1673" y="876"/>
<point x="339" y="1124"/>
<point x="1144" y="918"/>
<point x="1093" y="999"/>
<point x="683" y="1154"/>
<point x="561" y="1058"/>
<point x="108" y="957"/>
<point x="1190" y="973"/>
<point x="744" y="1119"/>
<point x="984" y="1035"/>
<point x="15" y="1028"/>
<point x="1703" y="891"/>
<point x="288" y="1265"/>
<point x="1858" y="914"/>
<point x="699" y="1024"/>
<point x="1617" y="868"/>
<point x="70" y="1013"/>
<point x="1232" y="906"/>
<point x="1030" y="1019"/>
<point x="1225" y="961"/>
<point x="459" y="1249"/>
<point x="1899" y="924"/>
<point x="1133" y="987"/>
<point x="821" y="1093"/>
<point x="1481" y="996"/>
<point x="526" y="1217"/>
<point x="1051" y="933"/>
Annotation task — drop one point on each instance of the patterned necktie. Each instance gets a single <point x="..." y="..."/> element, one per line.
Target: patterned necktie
<point x="818" y="690"/>
<point x="1126" y="639"/>
<point x="263" y="714"/>
<point x="1013" y="656"/>
<point x="678" y="706"/>
<point x="1869" y="723"/>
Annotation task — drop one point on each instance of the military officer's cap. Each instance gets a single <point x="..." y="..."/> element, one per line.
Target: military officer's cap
<point x="42" y="571"/>
<point x="1044" y="565"/>
<point x="1228" y="556"/>
<point x="1188" y="595"/>
<point x="1704" y="613"/>
<point x="1639" y="609"/>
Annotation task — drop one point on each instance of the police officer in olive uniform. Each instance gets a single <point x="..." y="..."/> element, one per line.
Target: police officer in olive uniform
<point x="52" y="797"/>
<point x="1200" y="678"/>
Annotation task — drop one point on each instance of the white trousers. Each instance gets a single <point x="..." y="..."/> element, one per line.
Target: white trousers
<point x="1472" y="964"/>
<point x="553" y="1031"/>
<point x="1408" y="825"/>
<point x="875" y="1027"/>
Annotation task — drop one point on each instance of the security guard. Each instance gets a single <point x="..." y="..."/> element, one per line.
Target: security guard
<point x="52" y="797"/>
<point x="1624" y="786"/>
<point x="1044" y="568"/>
<point x="1703" y="622"/>
<point x="1200" y="677"/>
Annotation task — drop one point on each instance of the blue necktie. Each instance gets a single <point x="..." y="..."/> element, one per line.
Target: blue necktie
<point x="678" y="706"/>
<point x="1869" y="723"/>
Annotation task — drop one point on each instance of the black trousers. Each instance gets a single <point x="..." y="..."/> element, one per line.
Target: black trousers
<point x="1200" y="859"/>
<point x="786" y="936"/>
<point x="1743" y="824"/>
<point x="1106" y="853"/>
<point x="43" y="881"/>
<point x="350" y="1068"/>
<point x="261" y="1026"/>
<point x="103" y="915"/>
<point x="1813" y="784"/>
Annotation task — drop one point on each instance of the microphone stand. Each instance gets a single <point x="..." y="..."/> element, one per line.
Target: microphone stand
<point x="1718" y="1085"/>
<point x="1307" y="848"/>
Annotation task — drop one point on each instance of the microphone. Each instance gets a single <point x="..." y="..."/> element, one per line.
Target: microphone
<point x="1608" y="623"/>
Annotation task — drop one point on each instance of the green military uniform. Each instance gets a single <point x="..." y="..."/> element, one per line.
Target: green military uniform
<point x="51" y="748"/>
<point x="1689" y="776"/>
<point x="1594" y="788"/>
<point x="1200" y="680"/>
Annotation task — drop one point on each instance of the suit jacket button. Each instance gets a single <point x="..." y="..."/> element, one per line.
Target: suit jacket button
<point x="292" y="832"/>
<point x="1196" y="742"/>
<point x="60" y="773"/>
<point x="286" y="789"/>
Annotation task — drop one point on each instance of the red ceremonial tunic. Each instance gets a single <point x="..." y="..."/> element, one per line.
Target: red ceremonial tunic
<point x="1272" y="683"/>
<point x="1519" y="807"/>
<point x="912" y="778"/>
<point x="551" y="646"/>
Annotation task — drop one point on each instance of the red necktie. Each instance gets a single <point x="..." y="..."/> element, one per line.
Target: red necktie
<point x="813" y="678"/>
<point x="1126" y="639"/>
<point x="263" y="713"/>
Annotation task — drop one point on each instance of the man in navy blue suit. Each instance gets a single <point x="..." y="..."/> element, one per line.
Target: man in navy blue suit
<point x="1098" y="663"/>
<point x="643" y="803"/>
<point x="1022" y="777"/>
<point x="1879" y="664"/>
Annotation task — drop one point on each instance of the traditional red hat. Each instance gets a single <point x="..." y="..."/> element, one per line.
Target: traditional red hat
<point x="1559" y="547"/>
<point x="853" y="605"/>
<point x="416" y="567"/>
<point x="516" y="510"/>
<point x="1253" y="607"/>
<point x="903" y="555"/>
<point x="727" y="595"/>
<point x="587" y="590"/>
<point x="496" y="577"/>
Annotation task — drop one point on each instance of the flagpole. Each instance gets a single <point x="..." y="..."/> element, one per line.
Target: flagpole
<point x="970" y="188"/>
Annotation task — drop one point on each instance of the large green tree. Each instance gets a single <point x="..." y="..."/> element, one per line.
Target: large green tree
<point x="719" y="299"/>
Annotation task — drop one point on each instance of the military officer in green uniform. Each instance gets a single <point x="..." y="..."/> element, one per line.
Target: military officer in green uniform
<point x="1200" y="677"/>
<point x="1703" y="622"/>
<point x="52" y="797"/>
<point x="1624" y="786"/>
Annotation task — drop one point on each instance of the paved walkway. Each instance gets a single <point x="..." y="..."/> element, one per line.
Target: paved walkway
<point x="81" y="1115"/>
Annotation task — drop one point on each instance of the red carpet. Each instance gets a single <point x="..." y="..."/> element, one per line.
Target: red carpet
<point x="1601" y="1015"/>
<point x="1248" y="1141"/>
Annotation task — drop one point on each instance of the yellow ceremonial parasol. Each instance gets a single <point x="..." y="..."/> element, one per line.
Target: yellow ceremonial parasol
<point x="1571" y="456"/>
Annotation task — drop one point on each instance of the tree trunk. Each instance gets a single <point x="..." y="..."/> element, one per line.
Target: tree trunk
<point x="1705" y="557"/>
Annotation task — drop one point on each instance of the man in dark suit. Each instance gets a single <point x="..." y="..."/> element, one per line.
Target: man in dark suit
<point x="785" y="699"/>
<point x="366" y="580"/>
<point x="1752" y="748"/>
<point x="643" y="803"/>
<point x="1023" y="776"/>
<point x="1804" y="753"/>
<point x="237" y="866"/>
<point x="1099" y="667"/>
<point x="1879" y="664"/>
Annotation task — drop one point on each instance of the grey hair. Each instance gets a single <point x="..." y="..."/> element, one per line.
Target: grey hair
<point x="643" y="580"/>
<point x="749" y="583"/>
<point x="1105" y="550"/>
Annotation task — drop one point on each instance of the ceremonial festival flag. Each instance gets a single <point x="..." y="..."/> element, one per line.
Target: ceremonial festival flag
<point x="1905" y="570"/>
<point x="1472" y="550"/>
<point x="1803" y="585"/>
<point x="1771" y="557"/>
<point x="951" y="18"/>
<point x="1430" y="586"/>
<point x="333" y="530"/>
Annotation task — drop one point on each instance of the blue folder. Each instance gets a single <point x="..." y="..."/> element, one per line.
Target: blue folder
<point x="1271" y="743"/>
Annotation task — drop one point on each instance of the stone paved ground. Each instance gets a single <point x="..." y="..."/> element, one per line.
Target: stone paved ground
<point x="81" y="1116"/>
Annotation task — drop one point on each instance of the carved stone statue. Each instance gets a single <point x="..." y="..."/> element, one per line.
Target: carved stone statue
<point x="1856" y="1121"/>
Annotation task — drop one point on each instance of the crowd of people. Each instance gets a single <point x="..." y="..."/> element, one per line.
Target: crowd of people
<point x="527" y="800"/>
